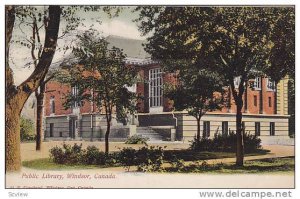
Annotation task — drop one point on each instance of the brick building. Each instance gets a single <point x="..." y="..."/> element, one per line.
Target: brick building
<point x="155" y="117"/>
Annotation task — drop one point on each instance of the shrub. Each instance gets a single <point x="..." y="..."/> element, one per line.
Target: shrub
<point x="136" y="139"/>
<point x="127" y="157"/>
<point x="226" y="143"/>
<point x="67" y="154"/>
<point x="57" y="155"/>
<point x="177" y="165"/>
<point x="26" y="129"/>
<point x="146" y="158"/>
<point x="150" y="159"/>
<point x="94" y="156"/>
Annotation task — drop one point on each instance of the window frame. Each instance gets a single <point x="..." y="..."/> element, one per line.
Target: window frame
<point x="206" y="129"/>
<point x="270" y="85"/>
<point x="257" y="83"/>
<point x="155" y="87"/>
<point x="225" y="128"/>
<point x="257" y="128"/>
<point x="272" y="128"/>
<point x="51" y="130"/>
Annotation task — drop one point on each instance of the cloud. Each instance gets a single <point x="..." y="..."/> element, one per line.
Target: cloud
<point x="115" y="27"/>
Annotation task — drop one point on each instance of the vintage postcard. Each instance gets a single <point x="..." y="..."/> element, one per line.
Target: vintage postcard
<point x="156" y="96"/>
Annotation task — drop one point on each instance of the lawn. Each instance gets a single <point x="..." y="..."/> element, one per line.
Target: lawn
<point x="47" y="164"/>
<point x="269" y="165"/>
<point x="190" y="155"/>
<point x="186" y="155"/>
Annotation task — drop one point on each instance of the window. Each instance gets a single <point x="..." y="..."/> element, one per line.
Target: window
<point x="270" y="101"/>
<point x="272" y="128"/>
<point x="255" y="100"/>
<point x="75" y="94"/>
<point x="51" y="129"/>
<point x="237" y="81"/>
<point x="225" y="128"/>
<point x="257" y="128"/>
<point x="271" y="85"/>
<point x="52" y="105"/>
<point x="206" y="129"/>
<point x="257" y="83"/>
<point x="155" y="87"/>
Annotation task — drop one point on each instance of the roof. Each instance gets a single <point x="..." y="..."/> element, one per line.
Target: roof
<point x="133" y="48"/>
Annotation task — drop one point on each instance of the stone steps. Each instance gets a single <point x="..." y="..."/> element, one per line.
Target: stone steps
<point x="147" y="132"/>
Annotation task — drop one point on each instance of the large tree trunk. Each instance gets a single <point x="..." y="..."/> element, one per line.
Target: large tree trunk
<point x="39" y="116"/>
<point x="239" y="134"/>
<point x="12" y="134"/>
<point x="17" y="96"/>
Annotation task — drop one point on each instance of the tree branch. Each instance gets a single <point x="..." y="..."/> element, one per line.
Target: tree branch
<point x="9" y="26"/>
<point x="33" y="81"/>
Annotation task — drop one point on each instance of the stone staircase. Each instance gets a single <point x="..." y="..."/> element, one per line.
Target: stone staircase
<point x="149" y="133"/>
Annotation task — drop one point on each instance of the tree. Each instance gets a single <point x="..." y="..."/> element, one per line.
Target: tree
<point x="17" y="95"/>
<point x="236" y="41"/>
<point x="26" y="129"/>
<point x="282" y="56"/>
<point x="202" y="91"/>
<point x="101" y="77"/>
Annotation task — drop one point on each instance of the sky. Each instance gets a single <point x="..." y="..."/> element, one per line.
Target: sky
<point x="121" y="25"/>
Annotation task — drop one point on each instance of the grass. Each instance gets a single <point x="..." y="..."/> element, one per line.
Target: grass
<point x="47" y="164"/>
<point x="190" y="155"/>
<point x="186" y="155"/>
<point x="269" y="165"/>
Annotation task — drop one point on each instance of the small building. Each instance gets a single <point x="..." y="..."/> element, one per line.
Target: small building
<point x="263" y="113"/>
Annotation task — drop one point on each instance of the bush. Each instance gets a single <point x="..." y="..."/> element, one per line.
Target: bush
<point x="135" y="139"/>
<point x="146" y="158"/>
<point x="94" y="156"/>
<point x="226" y="143"/>
<point x="150" y="159"/>
<point x="26" y="129"/>
<point x="67" y="154"/>
<point x="127" y="157"/>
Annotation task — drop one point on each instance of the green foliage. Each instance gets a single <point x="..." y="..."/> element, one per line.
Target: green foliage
<point x="26" y="129"/>
<point x="67" y="154"/>
<point x="291" y="105"/>
<point x="101" y="76"/>
<point x="226" y="143"/>
<point x="255" y="166"/>
<point x="94" y="157"/>
<point x="199" y="87"/>
<point x="147" y="159"/>
<point x="136" y="139"/>
<point x="150" y="159"/>
<point x="127" y="157"/>
<point x="230" y="41"/>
